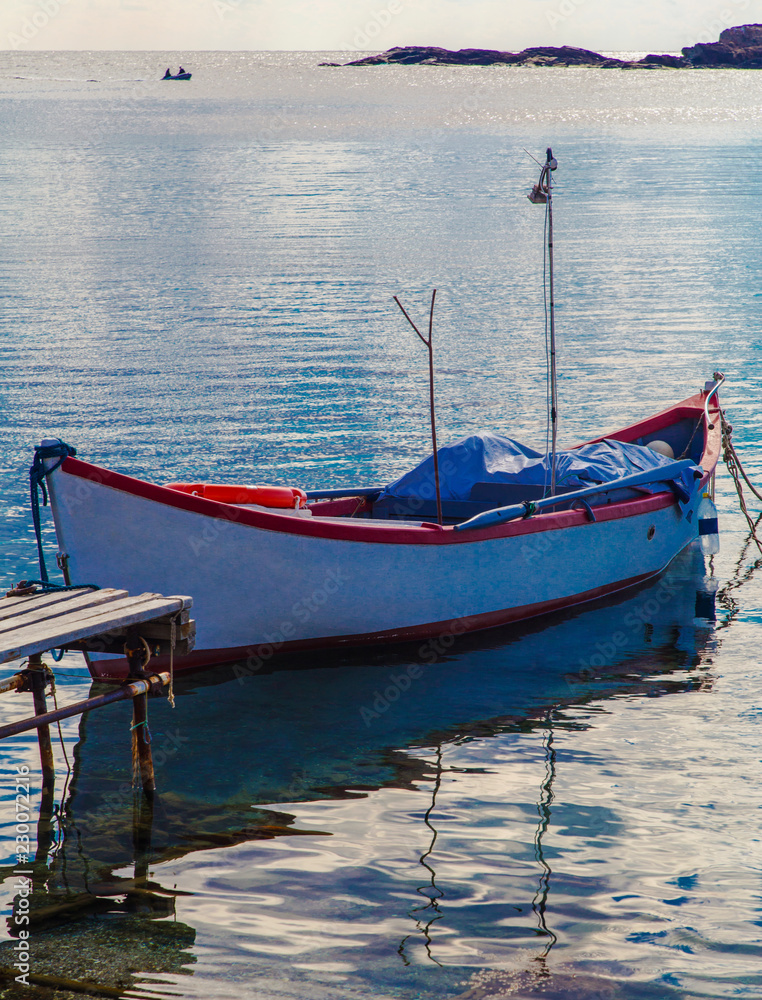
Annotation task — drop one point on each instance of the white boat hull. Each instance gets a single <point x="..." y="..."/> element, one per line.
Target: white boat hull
<point x="262" y="583"/>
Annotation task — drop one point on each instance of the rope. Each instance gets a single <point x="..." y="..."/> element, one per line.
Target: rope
<point x="172" y="640"/>
<point x="735" y="469"/>
<point x="37" y="475"/>
<point x="727" y="431"/>
<point x="59" y="816"/>
<point x="48" y="587"/>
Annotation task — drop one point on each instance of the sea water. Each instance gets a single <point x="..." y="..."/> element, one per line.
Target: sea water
<point x="196" y="284"/>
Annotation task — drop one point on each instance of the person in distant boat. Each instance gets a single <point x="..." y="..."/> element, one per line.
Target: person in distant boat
<point x="181" y="70"/>
<point x="167" y="74"/>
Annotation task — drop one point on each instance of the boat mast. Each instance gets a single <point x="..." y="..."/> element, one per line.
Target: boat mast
<point x="542" y="194"/>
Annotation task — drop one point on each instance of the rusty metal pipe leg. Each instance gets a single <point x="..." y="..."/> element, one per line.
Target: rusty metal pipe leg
<point x="138" y="654"/>
<point x="142" y="828"/>
<point x="38" y="682"/>
<point x="143" y="740"/>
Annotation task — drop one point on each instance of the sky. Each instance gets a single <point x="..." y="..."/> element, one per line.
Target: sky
<point x="375" y="25"/>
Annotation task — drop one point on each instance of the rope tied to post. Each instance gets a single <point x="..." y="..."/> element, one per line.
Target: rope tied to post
<point x="172" y="643"/>
<point x="736" y="470"/>
<point x="37" y="476"/>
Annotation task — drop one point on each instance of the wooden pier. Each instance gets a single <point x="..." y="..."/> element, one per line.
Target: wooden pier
<point x="85" y="619"/>
<point x="98" y="620"/>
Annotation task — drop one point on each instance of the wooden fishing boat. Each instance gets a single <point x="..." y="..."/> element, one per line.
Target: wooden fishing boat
<point x="345" y="569"/>
<point x="513" y="534"/>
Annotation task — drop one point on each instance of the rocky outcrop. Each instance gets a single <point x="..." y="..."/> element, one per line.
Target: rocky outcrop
<point x="543" y="55"/>
<point x="665" y="62"/>
<point x="429" y="55"/>
<point x="566" y="55"/>
<point x="739" y="47"/>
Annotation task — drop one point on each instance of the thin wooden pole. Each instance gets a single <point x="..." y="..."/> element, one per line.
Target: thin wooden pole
<point x="38" y="682"/>
<point x="430" y="347"/>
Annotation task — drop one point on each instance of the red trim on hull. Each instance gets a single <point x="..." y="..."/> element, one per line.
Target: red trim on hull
<point x="383" y="532"/>
<point x="256" y="656"/>
<point x="357" y="531"/>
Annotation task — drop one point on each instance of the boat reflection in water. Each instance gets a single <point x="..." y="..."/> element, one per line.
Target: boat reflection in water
<point x="313" y="727"/>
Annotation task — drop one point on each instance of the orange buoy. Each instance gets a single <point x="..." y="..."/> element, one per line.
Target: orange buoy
<point x="282" y="497"/>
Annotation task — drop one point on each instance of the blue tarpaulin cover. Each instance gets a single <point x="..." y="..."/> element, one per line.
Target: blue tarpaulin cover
<point x="490" y="458"/>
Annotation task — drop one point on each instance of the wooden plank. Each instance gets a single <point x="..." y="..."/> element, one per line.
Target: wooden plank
<point x="83" y="625"/>
<point x="83" y="610"/>
<point x="10" y="606"/>
<point x="152" y="630"/>
<point x="187" y="602"/>
<point x="113" y="615"/>
<point x="181" y="617"/>
<point x="49" y="612"/>
<point x="148" y="630"/>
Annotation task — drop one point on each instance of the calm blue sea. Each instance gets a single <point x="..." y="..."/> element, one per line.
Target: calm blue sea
<point x="196" y="283"/>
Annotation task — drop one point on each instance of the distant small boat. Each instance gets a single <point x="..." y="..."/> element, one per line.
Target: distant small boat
<point x="180" y="75"/>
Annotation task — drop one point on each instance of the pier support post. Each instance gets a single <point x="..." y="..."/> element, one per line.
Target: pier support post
<point x="142" y="829"/>
<point x="38" y="681"/>
<point x="137" y="654"/>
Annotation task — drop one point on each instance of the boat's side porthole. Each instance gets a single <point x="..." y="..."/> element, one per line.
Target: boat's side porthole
<point x="651" y="532"/>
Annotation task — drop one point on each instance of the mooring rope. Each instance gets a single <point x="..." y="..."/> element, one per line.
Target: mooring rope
<point x="172" y="641"/>
<point x="736" y="470"/>
<point x="47" y="586"/>
<point x="37" y="474"/>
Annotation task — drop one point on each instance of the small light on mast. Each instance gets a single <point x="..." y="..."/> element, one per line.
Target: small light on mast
<point x="541" y="190"/>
